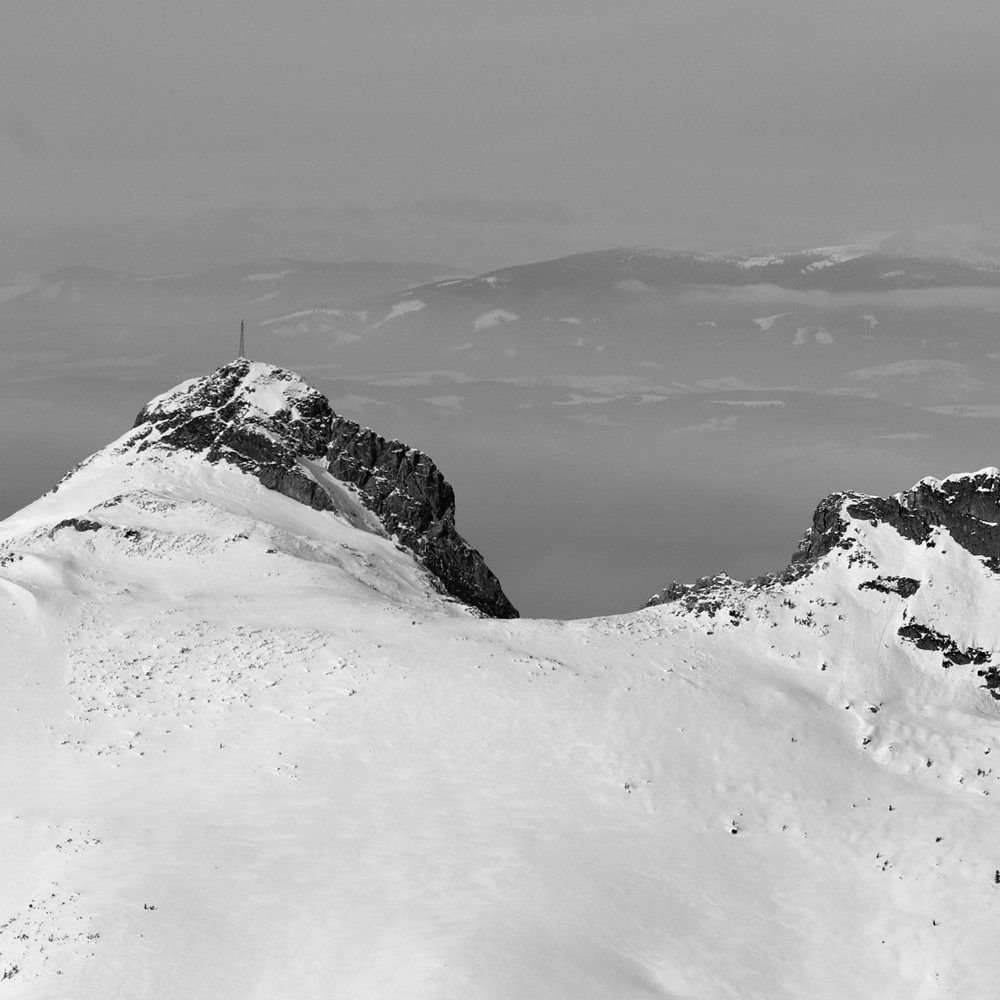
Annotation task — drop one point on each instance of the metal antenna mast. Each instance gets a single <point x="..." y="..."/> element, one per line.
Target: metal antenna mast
<point x="242" y="355"/>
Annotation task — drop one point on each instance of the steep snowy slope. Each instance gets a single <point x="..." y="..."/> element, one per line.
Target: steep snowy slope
<point x="252" y="748"/>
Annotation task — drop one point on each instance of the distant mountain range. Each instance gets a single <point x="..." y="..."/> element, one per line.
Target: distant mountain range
<point x="833" y="269"/>
<point x="705" y="318"/>
<point x="758" y="382"/>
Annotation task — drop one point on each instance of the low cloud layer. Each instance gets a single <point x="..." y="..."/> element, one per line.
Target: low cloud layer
<point x="904" y="298"/>
<point x="947" y="377"/>
<point x="966" y="240"/>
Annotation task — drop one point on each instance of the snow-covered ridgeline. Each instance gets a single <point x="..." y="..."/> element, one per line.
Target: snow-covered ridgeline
<point x="250" y="750"/>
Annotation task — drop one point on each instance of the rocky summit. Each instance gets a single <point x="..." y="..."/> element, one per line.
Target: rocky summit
<point x="963" y="509"/>
<point x="967" y="506"/>
<point x="268" y="422"/>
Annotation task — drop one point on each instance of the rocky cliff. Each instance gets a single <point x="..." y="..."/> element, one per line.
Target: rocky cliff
<point x="272" y="425"/>
<point x="966" y="506"/>
<point x="898" y="553"/>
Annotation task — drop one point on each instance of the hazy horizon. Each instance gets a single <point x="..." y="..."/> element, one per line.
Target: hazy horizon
<point x="164" y="139"/>
<point x="603" y="436"/>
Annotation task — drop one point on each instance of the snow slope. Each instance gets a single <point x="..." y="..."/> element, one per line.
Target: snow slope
<point x="251" y="752"/>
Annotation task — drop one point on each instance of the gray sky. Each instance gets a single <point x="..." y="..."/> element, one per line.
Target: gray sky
<point x="175" y="136"/>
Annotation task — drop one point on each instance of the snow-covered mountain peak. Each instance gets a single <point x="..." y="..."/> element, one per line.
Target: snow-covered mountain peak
<point x="984" y="481"/>
<point x="966" y="506"/>
<point x="258" y="390"/>
<point x="221" y="438"/>
<point x="225" y="410"/>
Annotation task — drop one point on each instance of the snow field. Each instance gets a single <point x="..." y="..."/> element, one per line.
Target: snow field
<point x="252" y="753"/>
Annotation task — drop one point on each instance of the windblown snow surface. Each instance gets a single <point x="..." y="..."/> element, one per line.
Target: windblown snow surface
<point x="251" y="752"/>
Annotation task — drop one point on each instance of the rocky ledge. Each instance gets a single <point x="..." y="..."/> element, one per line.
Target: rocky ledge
<point x="266" y="421"/>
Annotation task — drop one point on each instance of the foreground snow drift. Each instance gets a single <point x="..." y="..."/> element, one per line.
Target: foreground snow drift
<point x="251" y="751"/>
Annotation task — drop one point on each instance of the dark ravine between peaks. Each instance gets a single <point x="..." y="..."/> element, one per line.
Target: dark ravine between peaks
<point x="264" y="419"/>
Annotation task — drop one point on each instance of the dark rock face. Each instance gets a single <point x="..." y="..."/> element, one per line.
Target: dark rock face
<point x="414" y="501"/>
<point x="264" y="419"/>
<point x="924" y="637"/>
<point x="217" y="415"/>
<point x="405" y="486"/>
<point x="826" y="532"/>
<point x="904" y="586"/>
<point x="991" y="680"/>
<point x="967" y="507"/>
<point x="78" y="524"/>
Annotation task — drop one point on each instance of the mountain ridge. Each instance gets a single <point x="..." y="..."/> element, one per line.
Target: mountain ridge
<point x="931" y="514"/>
<point x="251" y="750"/>
<point x="632" y="270"/>
<point x="961" y="503"/>
<point x="463" y="379"/>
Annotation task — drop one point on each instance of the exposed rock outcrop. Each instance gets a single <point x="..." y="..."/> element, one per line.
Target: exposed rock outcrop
<point x="902" y="586"/>
<point x="961" y="509"/>
<point x="266" y="420"/>
<point x="966" y="506"/>
<point x="415" y="502"/>
<point x="925" y="637"/>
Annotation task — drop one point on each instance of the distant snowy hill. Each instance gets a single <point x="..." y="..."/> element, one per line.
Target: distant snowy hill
<point x="671" y="310"/>
<point x="253" y="748"/>
<point x="832" y="269"/>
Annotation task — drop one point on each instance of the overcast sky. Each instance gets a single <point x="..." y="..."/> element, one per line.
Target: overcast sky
<point x="174" y="136"/>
